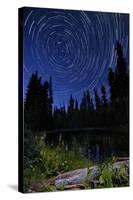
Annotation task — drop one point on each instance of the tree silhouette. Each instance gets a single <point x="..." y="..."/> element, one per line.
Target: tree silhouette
<point x="40" y="114"/>
<point x="76" y="105"/>
<point x="70" y="111"/>
<point x="50" y="90"/>
<point x="38" y="104"/>
<point x="97" y="99"/>
<point x="119" y="88"/>
<point x="119" y="79"/>
<point x="46" y="110"/>
<point x="33" y="102"/>
<point x="111" y="80"/>
<point x="122" y="77"/>
<point x="83" y="109"/>
<point x="104" y="99"/>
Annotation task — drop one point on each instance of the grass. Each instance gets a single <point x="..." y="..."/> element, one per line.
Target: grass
<point x="51" y="161"/>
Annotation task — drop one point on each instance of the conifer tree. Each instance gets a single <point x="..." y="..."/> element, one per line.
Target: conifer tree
<point x="104" y="99"/>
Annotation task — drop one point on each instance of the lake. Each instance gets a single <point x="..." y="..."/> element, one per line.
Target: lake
<point x="95" y="143"/>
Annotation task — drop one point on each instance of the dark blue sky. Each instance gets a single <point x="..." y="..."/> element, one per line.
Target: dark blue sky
<point x="76" y="48"/>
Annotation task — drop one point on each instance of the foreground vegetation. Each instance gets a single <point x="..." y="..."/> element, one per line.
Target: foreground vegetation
<point x="44" y="162"/>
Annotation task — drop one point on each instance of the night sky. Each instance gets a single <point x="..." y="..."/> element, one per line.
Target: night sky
<point x="76" y="48"/>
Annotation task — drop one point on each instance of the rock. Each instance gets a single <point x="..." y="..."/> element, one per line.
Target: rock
<point x="41" y="184"/>
<point x="30" y="191"/>
<point x="122" y="159"/>
<point x="38" y="185"/>
<point x="71" y="178"/>
<point x="94" y="174"/>
<point x="120" y="164"/>
<point x="74" y="187"/>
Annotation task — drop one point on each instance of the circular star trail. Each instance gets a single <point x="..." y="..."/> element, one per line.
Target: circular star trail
<point x="76" y="48"/>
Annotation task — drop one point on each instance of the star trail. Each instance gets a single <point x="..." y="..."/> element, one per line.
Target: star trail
<point x="76" y="48"/>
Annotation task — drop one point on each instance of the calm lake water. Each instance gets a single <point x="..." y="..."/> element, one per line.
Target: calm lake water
<point x="95" y="144"/>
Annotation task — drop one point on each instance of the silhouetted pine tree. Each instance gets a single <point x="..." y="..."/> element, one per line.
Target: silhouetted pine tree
<point x="33" y="102"/>
<point x="76" y="116"/>
<point x="92" y="114"/>
<point x="88" y="99"/>
<point x="76" y="105"/>
<point x="50" y="103"/>
<point x="64" y="117"/>
<point x="83" y="109"/>
<point x="119" y="79"/>
<point x="57" y="116"/>
<point x="97" y="100"/>
<point x="122" y="76"/>
<point x="46" y="110"/>
<point x="92" y="105"/>
<point x="104" y="108"/>
<point x="111" y="80"/>
<point x="104" y="99"/>
<point x="89" y="111"/>
<point x="70" y="112"/>
<point x="97" y="114"/>
<point x="50" y="90"/>
<point x="38" y="104"/>
<point x="119" y="88"/>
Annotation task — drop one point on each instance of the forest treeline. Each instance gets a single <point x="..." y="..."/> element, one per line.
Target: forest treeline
<point x="100" y="111"/>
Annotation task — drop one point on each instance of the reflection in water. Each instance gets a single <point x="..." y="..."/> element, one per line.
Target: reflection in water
<point x="93" y="144"/>
<point x="97" y="152"/>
